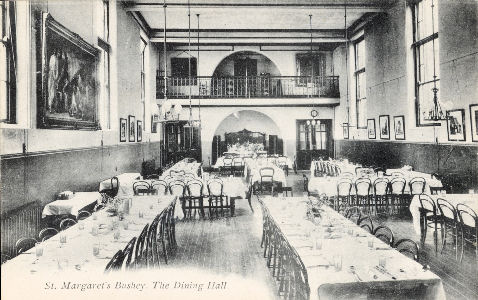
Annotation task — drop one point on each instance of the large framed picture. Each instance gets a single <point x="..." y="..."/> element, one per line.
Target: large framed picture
<point x="384" y="124"/>
<point x="123" y="126"/>
<point x="131" y="128"/>
<point x="474" y="122"/>
<point x="371" y="129"/>
<point x="456" y="124"/>
<point x="399" y="127"/>
<point x="346" y="130"/>
<point x="66" y="78"/>
<point x="139" y="130"/>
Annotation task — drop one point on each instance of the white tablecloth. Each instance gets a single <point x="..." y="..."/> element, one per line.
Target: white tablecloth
<point x="71" y="206"/>
<point x="252" y="172"/>
<point x="125" y="184"/>
<point x="184" y="166"/>
<point x="333" y="230"/>
<point x="469" y="199"/>
<point x="79" y="247"/>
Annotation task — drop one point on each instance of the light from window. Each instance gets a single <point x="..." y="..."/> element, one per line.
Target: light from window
<point x="427" y="58"/>
<point x="360" y="84"/>
<point x="309" y="65"/>
<point x="143" y="79"/>
<point x="312" y="137"/>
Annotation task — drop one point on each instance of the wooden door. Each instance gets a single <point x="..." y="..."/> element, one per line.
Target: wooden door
<point x="313" y="141"/>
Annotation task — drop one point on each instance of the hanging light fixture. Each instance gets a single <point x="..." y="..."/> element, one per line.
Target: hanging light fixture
<point x="435" y="114"/>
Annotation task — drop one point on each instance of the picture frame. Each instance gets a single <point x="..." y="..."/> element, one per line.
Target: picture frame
<point x="122" y="131"/>
<point x="67" y="78"/>
<point x="399" y="127"/>
<point x="131" y="128"/>
<point x="474" y="122"/>
<point x="139" y="130"/>
<point x="384" y="126"/>
<point x="154" y="123"/>
<point x="371" y="132"/>
<point x="346" y="130"/>
<point x="456" y="125"/>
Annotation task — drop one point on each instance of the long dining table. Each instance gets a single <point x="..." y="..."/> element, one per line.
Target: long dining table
<point x="75" y="256"/>
<point x="368" y="266"/>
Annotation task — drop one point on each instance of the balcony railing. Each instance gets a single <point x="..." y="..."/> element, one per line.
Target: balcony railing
<point x="249" y="87"/>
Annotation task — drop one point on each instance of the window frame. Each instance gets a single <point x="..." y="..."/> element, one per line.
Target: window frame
<point x="315" y="59"/>
<point x="312" y="137"/>
<point x="357" y="72"/>
<point x="416" y="47"/>
<point x="8" y="40"/>
<point x="144" y="45"/>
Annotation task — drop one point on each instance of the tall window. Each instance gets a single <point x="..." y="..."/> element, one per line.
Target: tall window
<point x="309" y="65"/>
<point x="143" y="79"/>
<point x="426" y="53"/>
<point x="8" y="70"/>
<point x="103" y="43"/>
<point x="360" y="84"/>
<point x="312" y="137"/>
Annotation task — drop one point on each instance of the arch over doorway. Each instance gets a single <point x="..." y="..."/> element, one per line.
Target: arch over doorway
<point x="250" y="120"/>
<point x="246" y="63"/>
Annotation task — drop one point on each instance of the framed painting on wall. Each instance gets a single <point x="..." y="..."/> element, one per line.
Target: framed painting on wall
<point x="371" y="128"/>
<point x="346" y="130"/>
<point x="384" y="125"/>
<point x="123" y="126"/>
<point x="399" y="127"/>
<point x="474" y="122"/>
<point x="139" y="130"/>
<point x="131" y="128"/>
<point x="456" y="124"/>
<point x="66" y="78"/>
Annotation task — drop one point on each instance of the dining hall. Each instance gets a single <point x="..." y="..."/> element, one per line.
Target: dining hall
<point x="259" y="149"/>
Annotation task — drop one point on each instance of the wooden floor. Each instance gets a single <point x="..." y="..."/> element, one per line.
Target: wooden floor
<point x="232" y="246"/>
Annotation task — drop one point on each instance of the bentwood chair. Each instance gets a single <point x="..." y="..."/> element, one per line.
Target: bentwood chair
<point x="128" y="253"/>
<point x="366" y="223"/>
<point x="282" y="163"/>
<point x="67" y="223"/>
<point x="24" y="244"/>
<point x="168" y="225"/>
<point x="176" y="188"/>
<point x="46" y="233"/>
<point x="193" y="198"/>
<point x="176" y="173"/>
<point x="428" y="218"/>
<point x="344" y="187"/>
<point x="449" y="223"/>
<point x="140" y="250"/>
<point x="159" y="187"/>
<point x="397" y="194"/>
<point x="115" y="263"/>
<point x="380" y="195"/>
<point x="266" y="184"/>
<point x="227" y="168"/>
<point x="83" y="215"/>
<point x="141" y="188"/>
<point x="5" y="258"/>
<point x="114" y="187"/>
<point x="408" y="248"/>
<point x="353" y="213"/>
<point x="163" y="237"/>
<point x="362" y="192"/>
<point x="238" y="166"/>
<point x="152" y="253"/>
<point x="217" y="200"/>
<point x="417" y="186"/>
<point x="468" y="227"/>
<point x="384" y="234"/>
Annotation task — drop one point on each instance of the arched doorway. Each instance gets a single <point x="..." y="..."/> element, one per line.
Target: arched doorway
<point x="245" y="74"/>
<point x="243" y="123"/>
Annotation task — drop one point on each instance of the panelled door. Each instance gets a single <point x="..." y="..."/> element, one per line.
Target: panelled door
<point x="313" y="141"/>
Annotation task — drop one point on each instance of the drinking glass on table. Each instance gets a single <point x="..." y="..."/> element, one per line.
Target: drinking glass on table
<point x="96" y="249"/>
<point x="116" y="235"/>
<point x="94" y="229"/>
<point x="38" y="252"/>
<point x="338" y="262"/>
<point x="63" y="263"/>
<point x="81" y="225"/>
<point x="62" y="240"/>
<point x="370" y="243"/>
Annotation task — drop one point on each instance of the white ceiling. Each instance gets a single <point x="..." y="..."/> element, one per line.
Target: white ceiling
<point x="256" y="14"/>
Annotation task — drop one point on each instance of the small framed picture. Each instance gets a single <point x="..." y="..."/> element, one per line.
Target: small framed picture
<point x="139" y="130"/>
<point x="474" y="122"/>
<point x="456" y="125"/>
<point x="131" y="128"/>
<point x="123" y="126"/>
<point x="399" y="127"/>
<point x="384" y="123"/>
<point x="346" y="130"/>
<point x="154" y="124"/>
<point x="371" y="128"/>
